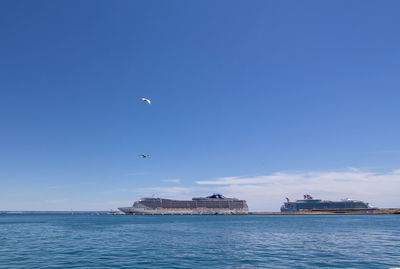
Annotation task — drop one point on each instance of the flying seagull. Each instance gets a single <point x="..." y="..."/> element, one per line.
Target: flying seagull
<point x="144" y="156"/>
<point x="145" y="100"/>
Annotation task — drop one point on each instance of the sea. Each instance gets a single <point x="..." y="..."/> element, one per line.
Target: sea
<point x="253" y="241"/>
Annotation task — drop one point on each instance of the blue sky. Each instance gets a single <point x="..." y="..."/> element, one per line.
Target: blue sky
<point x="240" y="89"/>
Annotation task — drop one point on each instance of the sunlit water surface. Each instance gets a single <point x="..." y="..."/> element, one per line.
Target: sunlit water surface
<point x="105" y="241"/>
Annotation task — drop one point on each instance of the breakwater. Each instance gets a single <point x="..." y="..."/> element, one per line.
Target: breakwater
<point x="334" y="212"/>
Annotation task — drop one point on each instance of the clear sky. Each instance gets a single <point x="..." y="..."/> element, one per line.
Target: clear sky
<point x="259" y="100"/>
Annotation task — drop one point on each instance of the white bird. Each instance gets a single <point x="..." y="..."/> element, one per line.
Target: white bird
<point x="145" y="100"/>
<point x="144" y="156"/>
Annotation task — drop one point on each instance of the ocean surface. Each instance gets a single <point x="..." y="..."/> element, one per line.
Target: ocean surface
<point x="106" y="241"/>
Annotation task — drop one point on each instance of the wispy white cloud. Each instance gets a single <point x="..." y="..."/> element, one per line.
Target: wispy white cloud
<point x="172" y="180"/>
<point x="268" y="192"/>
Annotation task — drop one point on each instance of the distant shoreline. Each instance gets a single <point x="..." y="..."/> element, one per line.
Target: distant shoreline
<point x="16" y="212"/>
<point x="383" y="211"/>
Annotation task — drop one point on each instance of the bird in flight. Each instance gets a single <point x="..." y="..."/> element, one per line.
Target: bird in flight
<point x="145" y="100"/>
<point x="144" y="156"/>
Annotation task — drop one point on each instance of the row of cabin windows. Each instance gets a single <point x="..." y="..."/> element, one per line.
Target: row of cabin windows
<point x="194" y="204"/>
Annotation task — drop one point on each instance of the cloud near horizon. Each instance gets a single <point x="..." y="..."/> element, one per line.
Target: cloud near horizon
<point x="268" y="192"/>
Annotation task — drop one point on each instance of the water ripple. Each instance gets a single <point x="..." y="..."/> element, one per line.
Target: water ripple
<point x="87" y="241"/>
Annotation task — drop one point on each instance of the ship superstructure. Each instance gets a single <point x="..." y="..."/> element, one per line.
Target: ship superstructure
<point x="210" y="205"/>
<point x="311" y="204"/>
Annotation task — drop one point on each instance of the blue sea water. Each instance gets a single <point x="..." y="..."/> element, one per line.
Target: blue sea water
<point x="105" y="241"/>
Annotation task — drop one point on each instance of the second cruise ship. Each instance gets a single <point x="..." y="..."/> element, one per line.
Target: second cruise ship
<point x="311" y="204"/>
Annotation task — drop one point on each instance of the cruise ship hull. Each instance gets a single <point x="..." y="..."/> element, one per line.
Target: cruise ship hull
<point x="139" y="211"/>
